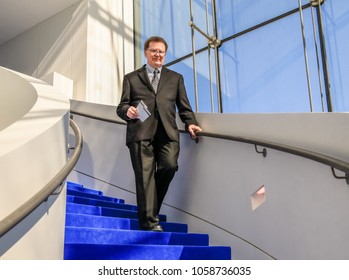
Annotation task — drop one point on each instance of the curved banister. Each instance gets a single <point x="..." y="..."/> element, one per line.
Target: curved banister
<point x="332" y="162"/>
<point x="28" y="207"/>
<point x="321" y="158"/>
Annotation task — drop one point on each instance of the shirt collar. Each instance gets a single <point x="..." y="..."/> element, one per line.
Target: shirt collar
<point x="151" y="69"/>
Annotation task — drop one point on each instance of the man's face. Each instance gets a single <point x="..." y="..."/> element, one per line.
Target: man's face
<point x="155" y="54"/>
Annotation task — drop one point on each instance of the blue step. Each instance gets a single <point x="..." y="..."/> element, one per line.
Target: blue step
<point x="100" y="227"/>
<point x="93" y="221"/>
<point x="127" y="237"/>
<point x="80" y="188"/>
<point x="83" y="220"/>
<point x="104" y="211"/>
<point x="145" y="252"/>
<point x="167" y="226"/>
<point x="93" y="196"/>
<point x="98" y="202"/>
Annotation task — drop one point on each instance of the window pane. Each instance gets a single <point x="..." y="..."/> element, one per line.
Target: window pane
<point x="165" y="19"/>
<point x="238" y="15"/>
<point x="264" y="70"/>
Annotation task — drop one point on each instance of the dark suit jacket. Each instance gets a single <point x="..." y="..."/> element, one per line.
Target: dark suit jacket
<point x="171" y="95"/>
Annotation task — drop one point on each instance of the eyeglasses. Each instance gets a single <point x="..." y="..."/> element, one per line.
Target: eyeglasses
<point x="154" y="51"/>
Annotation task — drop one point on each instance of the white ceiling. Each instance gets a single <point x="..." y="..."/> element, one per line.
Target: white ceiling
<point x="17" y="16"/>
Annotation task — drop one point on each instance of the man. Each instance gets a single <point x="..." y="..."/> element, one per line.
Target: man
<point x="148" y="105"/>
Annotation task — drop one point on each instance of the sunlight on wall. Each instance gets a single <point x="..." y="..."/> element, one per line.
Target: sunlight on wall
<point x="109" y="35"/>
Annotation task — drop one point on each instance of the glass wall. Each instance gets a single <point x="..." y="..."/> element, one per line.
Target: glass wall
<point x="336" y="29"/>
<point x="270" y="57"/>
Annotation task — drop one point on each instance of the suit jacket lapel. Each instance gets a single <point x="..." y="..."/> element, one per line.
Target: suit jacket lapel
<point x="143" y="75"/>
<point x="163" y="78"/>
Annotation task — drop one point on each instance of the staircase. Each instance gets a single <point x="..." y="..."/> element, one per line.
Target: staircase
<point x="99" y="227"/>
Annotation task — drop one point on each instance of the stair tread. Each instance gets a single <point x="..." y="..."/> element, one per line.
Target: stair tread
<point x="104" y="211"/>
<point x="145" y="252"/>
<point x="81" y="188"/>
<point x="99" y="202"/>
<point x="122" y="236"/>
<point x="95" y="196"/>
<point x="73" y="219"/>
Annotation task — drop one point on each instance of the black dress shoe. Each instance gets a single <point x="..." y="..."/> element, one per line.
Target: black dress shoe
<point x="156" y="228"/>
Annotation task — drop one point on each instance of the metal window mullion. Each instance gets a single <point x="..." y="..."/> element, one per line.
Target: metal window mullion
<point x="305" y="56"/>
<point x="324" y="59"/>
<point x="317" y="60"/>
<point x="194" y="58"/>
<point x="209" y="60"/>
<point x="219" y="93"/>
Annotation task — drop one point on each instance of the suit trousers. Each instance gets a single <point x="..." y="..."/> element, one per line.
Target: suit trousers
<point x="155" y="163"/>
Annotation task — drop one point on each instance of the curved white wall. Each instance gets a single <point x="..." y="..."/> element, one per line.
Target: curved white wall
<point x="13" y="104"/>
<point x="304" y="215"/>
<point x="33" y="149"/>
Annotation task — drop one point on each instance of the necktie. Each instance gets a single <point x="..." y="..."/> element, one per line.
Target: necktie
<point x="155" y="80"/>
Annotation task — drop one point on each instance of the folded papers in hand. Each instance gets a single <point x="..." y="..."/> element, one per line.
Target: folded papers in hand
<point x="143" y="111"/>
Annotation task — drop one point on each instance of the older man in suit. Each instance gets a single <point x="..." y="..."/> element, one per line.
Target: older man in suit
<point x="153" y="140"/>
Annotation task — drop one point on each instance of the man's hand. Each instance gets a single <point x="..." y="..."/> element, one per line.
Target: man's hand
<point x="132" y="113"/>
<point x="192" y="129"/>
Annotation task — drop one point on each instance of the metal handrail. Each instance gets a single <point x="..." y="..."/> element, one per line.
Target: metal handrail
<point x="50" y="188"/>
<point x="332" y="162"/>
